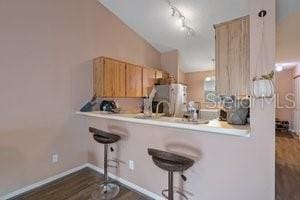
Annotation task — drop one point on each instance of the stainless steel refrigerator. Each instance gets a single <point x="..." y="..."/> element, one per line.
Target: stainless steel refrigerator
<point x="176" y="95"/>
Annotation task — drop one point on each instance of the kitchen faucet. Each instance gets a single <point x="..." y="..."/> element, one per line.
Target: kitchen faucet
<point x="192" y="112"/>
<point x="160" y="102"/>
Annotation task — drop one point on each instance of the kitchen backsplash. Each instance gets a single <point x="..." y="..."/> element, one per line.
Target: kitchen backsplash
<point x="127" y="105"/>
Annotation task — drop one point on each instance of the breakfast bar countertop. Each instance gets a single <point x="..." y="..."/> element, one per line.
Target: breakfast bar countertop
<point x="213" y="126"/>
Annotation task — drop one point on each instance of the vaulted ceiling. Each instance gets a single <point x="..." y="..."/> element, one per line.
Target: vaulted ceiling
<point x="153" y="20"/>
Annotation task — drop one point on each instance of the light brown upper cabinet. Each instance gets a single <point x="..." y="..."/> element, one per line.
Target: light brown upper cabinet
<point x="232" y="57"/>
<point x="133" y="80"/>
<point x="149" y="78"/>
<point x="113" y="78"/>
<point x="109" y="77"/>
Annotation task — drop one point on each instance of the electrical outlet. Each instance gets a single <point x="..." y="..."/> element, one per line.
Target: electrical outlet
<point x="54" y="158"/>
<point x="131" y="164"/>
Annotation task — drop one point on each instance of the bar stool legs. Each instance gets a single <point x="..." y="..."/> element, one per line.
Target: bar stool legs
<point x="170" y="187"/>
<point x="109" y="190"/>
<point x="105" y="164"/>
<point x="172" y="163"/>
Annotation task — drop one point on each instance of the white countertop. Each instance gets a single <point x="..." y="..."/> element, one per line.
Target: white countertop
<point x="213" y="126"/>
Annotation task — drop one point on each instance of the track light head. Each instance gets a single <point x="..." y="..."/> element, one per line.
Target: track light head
<point x="173" y="11"/>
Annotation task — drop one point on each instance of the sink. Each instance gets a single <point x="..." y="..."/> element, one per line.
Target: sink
<point x="171" y="119"/>
<point x="147" y="117"/>
<point x="183" y="121"/>
<point x="142" y="116"/>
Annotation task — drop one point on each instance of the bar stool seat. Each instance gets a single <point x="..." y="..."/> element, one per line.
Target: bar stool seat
<point x="172" y="163"/>
<point x="104" y="137"/>
<point x="109" y="190"/>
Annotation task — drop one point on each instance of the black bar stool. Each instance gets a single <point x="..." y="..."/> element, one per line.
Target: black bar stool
<point x="172" y="163"/>
<point x="109" y="190"/>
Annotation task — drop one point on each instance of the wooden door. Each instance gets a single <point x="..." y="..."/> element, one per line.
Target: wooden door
<point x="133" y="81"/>
<point x="148" y="80"/>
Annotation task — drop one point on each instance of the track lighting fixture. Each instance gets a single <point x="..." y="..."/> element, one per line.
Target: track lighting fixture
<point x="181" y="19"/>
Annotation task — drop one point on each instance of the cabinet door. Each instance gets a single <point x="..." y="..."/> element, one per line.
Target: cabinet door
<point x="98" y="64"/>
<point x="119" y="79"/>
<point x="133" y="81"/>
<point x="222" y="67"/>
<point x="148" y="81"/>
<point x="238" y="57"/>
<point x="245" y="53"/>
<point x="109" y="77"/>
<point x="232" y="57"/>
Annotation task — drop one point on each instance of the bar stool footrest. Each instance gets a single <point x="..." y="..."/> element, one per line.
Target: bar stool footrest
<point x="165" y="191"/>
<point x="116" y="163"/>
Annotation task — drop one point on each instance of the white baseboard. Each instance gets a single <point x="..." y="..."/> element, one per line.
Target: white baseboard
<point x="43" y="182"/>
<point x="127" y="183"/>
<point x="53" y="178"/>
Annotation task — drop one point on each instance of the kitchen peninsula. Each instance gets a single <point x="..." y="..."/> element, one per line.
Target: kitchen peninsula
<point x="212" y="126"/>
<point x="166" y="84"/>
<point x="213" y="146"/>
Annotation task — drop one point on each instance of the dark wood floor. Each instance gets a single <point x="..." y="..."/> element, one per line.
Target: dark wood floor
<point x="82" y="185"/>
<point x="287" y="168"/>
